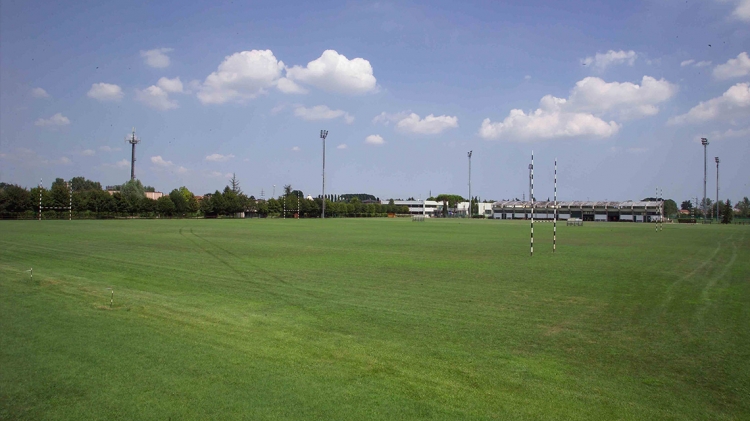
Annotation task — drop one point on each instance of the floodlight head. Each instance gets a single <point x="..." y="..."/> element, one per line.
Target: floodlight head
<point x="531" y="166"/>
<point x="704" y="141"/>
<point x="717" y="159"/>
<point x="469" y="154"/>
<point x="323" y="134"/>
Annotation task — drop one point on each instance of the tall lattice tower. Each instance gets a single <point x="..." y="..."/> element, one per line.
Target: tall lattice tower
<point x="133" y="140"/>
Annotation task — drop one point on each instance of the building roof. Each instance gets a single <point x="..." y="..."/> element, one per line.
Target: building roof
<point x="575" y="204"/>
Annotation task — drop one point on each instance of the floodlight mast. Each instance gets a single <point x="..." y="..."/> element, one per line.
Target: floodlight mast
<point x="468" y="214"/>
<point x="704" y="142"/>
<point x="323" y="135"/>
<point x="717" y="188"/>
<point x="133" y="141"/>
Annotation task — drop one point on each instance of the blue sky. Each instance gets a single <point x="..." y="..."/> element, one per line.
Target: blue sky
<point x="619" y="93"/>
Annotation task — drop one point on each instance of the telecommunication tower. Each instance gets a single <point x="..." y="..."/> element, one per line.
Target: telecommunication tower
<point x="133" y="140"/>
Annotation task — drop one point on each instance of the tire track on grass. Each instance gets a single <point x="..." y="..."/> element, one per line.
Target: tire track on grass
<point x="670" y="290"/>
<point x="706" y="302"/>
<point x="245" y="276"/>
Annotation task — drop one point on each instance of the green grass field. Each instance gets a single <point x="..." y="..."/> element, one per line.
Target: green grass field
<point x="362" y="319"/>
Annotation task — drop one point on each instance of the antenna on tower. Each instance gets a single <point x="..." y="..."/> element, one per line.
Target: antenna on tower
<point x="133" y="140"/>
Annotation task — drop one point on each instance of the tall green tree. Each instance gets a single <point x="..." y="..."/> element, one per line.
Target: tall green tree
<point x="727" y="212"/>
<point x="743" y="207"/>
<point x="132" y="193"/>
<point x="686" y="205"/>
<point x="165" y="206"/>
<point x="670" y="208"/>
<point x="179" y="201"/>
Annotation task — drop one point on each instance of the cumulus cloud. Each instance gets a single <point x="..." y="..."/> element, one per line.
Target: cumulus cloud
<point x="219" y="157"/>
<point x="741" y="10"/>
<point x="287" y="86"/>
<point x="170" y="85"/>
<point x="732" y="104"/>
<point x="157" y="57"/>
<point x="626" y="99"/>
<point x="57" y="120"/>
<point x="735" y="67"/>
<point x="241" y="76"/>
<point x="334" y="72"/>
<point x="727" y="134"/>
<point x="123" y="163"/>
<point x="161" y="163"/>
<point x="108" y="149"/>
<point x="603" y="60"/>
<point x="374" y="139"/>
<point x="156" y="98"/>
<point x="547" y="122"/>
<point x="342" y="146"/>
<point x="105" y="92"/>
<point x="687" y="63"/>
<point x="321" y="112"/>
<point x="39" y="93"/>
<point x="703" y="63"/>
<point x="582" y="114"/>
<point x="386" y="118"/>
<point x="429" y="125"/>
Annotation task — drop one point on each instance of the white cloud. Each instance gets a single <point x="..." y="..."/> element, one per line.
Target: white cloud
<point x="527" y="77"/>
<point x="736" y="67"/>
<point x="321" y="112"/>
<point x="692" y="62"/>
<point x="108" y="149"/>
<point x="581" y="115"/>
<point x="156" y="97"/>
<point x="170" y="85"/>
<point x="167" y="165"/>
<point x="727" y="134"/>
<point x="88" y="152"/>
<point x="547" y="122"/>
<point x="105" y="92"/>
<point x="56" y="120"/>
<point x="39" y="93"/>
<point x="334" y="72"/>
<point x="219" y="174"/>
<point x="687" y="63"/>
<point x="703" y="63"/>
<point x="742" y="9"/>
<point x="219" y="157"/>
<point x="123" y="163"/>
<point x="295" y="149"/>
<point x="241" y="76"/>
<point x="625" y="99"/>
<point x="602" y="61"/>
<point x="385" y="118"/>
<point x="342" y="146"/>
<point x="428" y="125"/>
<point x="734" y="103"/>
<point x="374" y="139"/>
<point x="157" y="57"/>
<point x="287" y="86"/>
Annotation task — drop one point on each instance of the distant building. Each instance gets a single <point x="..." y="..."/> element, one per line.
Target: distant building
<point x="153" y="195"/>
<point x="588" y="211"/>
<point x="417" y="207"/>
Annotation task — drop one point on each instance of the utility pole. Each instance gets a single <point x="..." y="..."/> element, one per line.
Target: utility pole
<point x="468" y="214"/>
<point x="133" y="141"/>
<point x="704" y="142"/>
<point x="717" y="188"/>
<point x="323" y="135"/>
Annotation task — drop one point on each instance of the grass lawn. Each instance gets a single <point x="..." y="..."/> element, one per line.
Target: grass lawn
<point x="363" y="319"/>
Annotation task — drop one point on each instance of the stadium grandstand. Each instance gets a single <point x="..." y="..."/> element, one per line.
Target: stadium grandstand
<point x="628" y="211"/>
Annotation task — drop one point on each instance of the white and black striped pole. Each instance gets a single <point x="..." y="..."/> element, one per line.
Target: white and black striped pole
<point x="656" y="220"/>
<point x="70" y="201"/>
<point x="661" y="209"/>
<point x="554" y="221"/>
<point x="532" y="202"/>
<point x="40" y="199"/>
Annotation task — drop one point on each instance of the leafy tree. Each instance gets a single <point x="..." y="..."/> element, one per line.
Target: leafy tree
<point x="451" y="198"/>
<point x="80" y="184"/>
<point x="743" y="207"/>
<point x="287" y="190"/>
<point x="131" y="193"/>
<point x="670" y="207"/>
<point x="149" y="189"/>
<point x="165" y="205"/>
<point x="727" y="213"/>
<point x="178" y="201"/>
<point x="686" y="205"/>
<point x="60" y="193"/>
<point x="15" y="199"/>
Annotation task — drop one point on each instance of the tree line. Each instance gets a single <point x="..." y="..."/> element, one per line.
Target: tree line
<point x="90" y="200"/>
